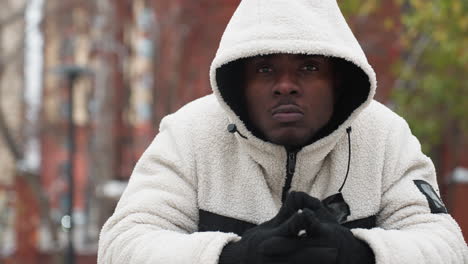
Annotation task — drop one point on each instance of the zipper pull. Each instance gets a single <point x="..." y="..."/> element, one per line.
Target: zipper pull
<point x="291" y="162"/>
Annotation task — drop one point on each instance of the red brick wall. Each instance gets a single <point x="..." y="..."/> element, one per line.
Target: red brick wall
<point x="190" y="34"/>
<point x="378" y="35"/>
<point x="459" y="196"/>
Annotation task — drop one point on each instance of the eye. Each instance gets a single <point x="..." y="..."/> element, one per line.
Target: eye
<point x="264" y="69"/>
<point x="309" y="67"/>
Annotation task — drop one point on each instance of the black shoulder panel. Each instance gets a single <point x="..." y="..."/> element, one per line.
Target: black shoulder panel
<point x="435" y="203"/>
<point x="367" y="223"/>
<point x="213" y="222"/>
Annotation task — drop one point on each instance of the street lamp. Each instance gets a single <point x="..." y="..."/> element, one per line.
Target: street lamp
<point x="71" y="73"/>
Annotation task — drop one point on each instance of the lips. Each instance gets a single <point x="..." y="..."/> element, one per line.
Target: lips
<point x="287" y="113"/>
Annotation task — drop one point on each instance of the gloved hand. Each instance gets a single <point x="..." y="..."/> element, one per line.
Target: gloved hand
<point x="298" y="249"/>
<point x="254" y="247"/>
<point x="296" y="201"/>
<point x="315" y="235"/>
<point x="330" y="235"/>
<point x="260" y="240"/>
<point x="324" y="240"/>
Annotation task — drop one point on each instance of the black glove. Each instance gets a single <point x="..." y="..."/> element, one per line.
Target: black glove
<point x="330" y="235"/>
<point x="286" y="224"/>
<point x="303" y="241"/>
<point x="296" y="201"/>
<point x="324" y="241"/>
<point x="332" y="209"/>
<point x="298" y="249"/>
<point x="254" y="247"/>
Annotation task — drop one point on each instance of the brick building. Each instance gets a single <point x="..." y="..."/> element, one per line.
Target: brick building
<point x="12" y="28"/>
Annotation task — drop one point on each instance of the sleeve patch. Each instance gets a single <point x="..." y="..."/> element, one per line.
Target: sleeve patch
<point x="435" y="203"/>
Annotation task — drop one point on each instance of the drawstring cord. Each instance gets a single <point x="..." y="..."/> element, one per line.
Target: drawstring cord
<point x="336" y="203"/>
<point x="348" y="130"/>
<point x="232" y="128"/>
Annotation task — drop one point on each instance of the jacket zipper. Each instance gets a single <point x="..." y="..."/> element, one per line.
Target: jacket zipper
<point x="290" y="168"/>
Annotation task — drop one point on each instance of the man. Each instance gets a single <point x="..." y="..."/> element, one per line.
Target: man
<point x="289" y="161"/>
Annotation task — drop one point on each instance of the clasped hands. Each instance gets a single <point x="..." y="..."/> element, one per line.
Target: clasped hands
<point x="303" y="231"/>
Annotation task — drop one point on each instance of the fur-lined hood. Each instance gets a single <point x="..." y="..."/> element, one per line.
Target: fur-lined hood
<point x="262" y="27"/>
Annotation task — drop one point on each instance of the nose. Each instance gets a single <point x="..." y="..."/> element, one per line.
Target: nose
<point x="286" y="84"/>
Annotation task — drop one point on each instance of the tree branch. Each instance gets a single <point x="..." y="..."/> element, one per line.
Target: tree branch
<point x="413" y="59"/>
<point x="11" y="144"/>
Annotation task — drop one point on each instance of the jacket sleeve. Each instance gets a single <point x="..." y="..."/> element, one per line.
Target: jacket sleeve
<point x="409" y="231"/>
<point x="156" y="218"/>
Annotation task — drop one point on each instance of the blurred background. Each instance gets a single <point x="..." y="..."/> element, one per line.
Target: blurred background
<point x="84" y="85"/>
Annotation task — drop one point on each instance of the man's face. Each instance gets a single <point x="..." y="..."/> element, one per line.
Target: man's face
<point x="289" y="97"/>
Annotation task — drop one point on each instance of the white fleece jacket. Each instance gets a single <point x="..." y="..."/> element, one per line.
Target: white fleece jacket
<point x="194" y="164"/>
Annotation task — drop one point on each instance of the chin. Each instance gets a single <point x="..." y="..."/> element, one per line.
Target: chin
<point x="290" y="140"/>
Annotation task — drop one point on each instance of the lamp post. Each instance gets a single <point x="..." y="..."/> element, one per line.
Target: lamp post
<point x="71" y="73"/>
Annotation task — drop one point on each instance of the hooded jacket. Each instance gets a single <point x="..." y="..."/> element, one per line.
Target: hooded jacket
<point x="198" y="187"/>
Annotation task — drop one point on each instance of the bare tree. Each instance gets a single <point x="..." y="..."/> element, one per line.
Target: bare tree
<point x="14" y="143"/>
